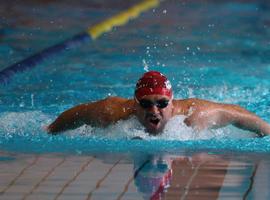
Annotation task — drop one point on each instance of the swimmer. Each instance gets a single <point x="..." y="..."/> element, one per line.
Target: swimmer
<point x="153" y="105"/>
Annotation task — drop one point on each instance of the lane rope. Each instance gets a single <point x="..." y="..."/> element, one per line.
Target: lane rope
<point x="121" y="18"/>
<point x="92" y="33"/>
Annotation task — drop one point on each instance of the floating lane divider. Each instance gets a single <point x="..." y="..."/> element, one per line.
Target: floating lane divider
<point x="92" y="33"/>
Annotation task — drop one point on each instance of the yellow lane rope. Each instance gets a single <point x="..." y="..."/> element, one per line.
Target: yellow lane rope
<point x="93" y="33"/>
<point x="121" y="18"/>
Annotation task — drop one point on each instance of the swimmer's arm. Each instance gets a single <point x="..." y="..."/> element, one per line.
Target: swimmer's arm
<point x="71" y="119"/>
<point x="246" y="120"/>
<point x="101" y="113"/>
<point x="207" y="114"/>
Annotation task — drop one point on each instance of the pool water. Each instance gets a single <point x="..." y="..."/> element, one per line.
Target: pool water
<point x="217" y="51"/>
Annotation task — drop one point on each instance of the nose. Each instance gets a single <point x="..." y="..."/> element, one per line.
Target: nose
<point x="153" y="109"/>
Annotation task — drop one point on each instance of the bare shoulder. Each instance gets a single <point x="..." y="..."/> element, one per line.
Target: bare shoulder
<point x="118" y="101"/>
<point x="115" y="108"/>
<point x="215" y="105"/>
<point x="183" y="106"/>
<point x="109" y="101"/>
<point x="199" y="102"/>
<point x="106" y="111"/>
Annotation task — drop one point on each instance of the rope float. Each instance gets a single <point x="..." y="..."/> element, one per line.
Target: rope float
<point x="92" y="33"/>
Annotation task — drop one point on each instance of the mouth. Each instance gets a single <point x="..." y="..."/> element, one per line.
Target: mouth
<point x="153" y="121"/>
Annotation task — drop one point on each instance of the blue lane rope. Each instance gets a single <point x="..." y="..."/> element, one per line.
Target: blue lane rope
<point x="38" y="58"/>
<point x="91" y="34"/>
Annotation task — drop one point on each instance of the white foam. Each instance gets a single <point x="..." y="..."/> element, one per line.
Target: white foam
<point x="175" y="129"/>
<point x="23" y="123"/>
<point x="122" y="129"/>
<point x="31" y="123"/>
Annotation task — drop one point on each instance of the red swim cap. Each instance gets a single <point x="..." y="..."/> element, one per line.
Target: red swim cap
<point x="151" y="83"/>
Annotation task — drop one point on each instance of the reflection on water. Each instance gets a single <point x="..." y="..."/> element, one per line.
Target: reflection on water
<point x="200" y="176"/>
<point x="191" y="175"/>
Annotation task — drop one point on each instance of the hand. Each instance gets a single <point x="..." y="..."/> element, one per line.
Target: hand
<point x="201" y="119"/>
<point x="45" y="128"/>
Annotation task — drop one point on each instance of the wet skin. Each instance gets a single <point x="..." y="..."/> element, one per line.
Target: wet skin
<point x="154" y="118"/>
<point x="200" y="114"/>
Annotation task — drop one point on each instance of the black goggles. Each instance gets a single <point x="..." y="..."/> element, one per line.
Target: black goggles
<point x="162" y="103"/>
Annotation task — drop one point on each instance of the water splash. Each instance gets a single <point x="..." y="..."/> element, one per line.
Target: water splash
<point x="26" y="124"/>
<point x="23" y="132"/>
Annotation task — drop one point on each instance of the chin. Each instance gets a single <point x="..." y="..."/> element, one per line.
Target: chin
<point x="154" y="131"/>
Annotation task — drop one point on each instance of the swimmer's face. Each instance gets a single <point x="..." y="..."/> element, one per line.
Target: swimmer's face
<point x="154" y="111"/>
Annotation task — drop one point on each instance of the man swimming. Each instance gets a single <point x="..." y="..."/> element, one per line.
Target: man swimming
<point x="154" y="106"/>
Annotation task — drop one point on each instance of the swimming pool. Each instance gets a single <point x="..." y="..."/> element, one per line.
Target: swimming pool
<point x="213" y="50"/>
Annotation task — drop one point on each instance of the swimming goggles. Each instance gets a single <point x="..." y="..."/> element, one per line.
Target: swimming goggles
<point x="161" y="103"/>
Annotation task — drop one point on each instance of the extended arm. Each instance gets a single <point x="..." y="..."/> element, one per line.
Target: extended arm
<point x="246" y="120"/>
<point x="100" y="113"/>
<point x="206" y="114"/>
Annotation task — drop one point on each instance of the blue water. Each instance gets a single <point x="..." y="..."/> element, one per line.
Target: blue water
<point x="215" y="50"/>
<point x="212" y="50"/>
